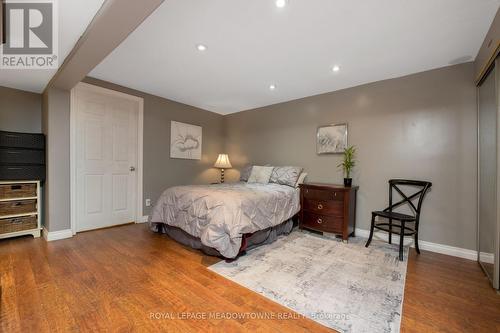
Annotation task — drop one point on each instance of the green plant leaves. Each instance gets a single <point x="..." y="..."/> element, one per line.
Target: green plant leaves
<point x="349" y="160"/>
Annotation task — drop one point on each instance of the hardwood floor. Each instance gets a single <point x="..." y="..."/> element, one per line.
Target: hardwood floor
<point x="126" y="278"/>
<point x="448" y="294"/>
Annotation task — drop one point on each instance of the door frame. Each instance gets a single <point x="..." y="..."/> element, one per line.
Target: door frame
<point x="139" y="218"/>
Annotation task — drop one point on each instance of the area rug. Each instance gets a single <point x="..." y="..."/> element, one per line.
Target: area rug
<point x="346" y="287"/>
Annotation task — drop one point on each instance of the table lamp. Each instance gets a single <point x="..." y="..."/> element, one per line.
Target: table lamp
<point x="222" y="163"/>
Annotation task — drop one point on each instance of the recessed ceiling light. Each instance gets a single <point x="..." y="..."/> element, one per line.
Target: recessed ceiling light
<point x="336" y="68"/>
<point x="272" y="87"/>
<point x="201" y="47"/>
<point x="281" y="3"/>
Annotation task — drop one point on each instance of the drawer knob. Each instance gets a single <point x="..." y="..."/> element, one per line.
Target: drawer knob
<point x="319" y="221"/>
<point x="320" y="206"/>
<point x="335" y="194"/>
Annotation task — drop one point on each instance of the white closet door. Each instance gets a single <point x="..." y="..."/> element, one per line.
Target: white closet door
<point x="106" y="158"/>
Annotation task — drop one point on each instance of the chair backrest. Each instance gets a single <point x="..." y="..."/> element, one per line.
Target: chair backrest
<point x="422" y="188"/>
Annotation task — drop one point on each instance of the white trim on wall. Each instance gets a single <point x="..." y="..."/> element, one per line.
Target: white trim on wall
<point x="488" y="258"/>
<point x="424" y="245"/>
<point x="140" y="140"/>
<point x="56" y="235"/>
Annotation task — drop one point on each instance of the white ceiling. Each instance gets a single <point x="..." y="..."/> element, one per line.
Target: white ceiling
<point x="74" y="17"/>
<point x="252" y="44"/>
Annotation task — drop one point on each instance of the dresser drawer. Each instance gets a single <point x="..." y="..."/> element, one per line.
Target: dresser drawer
<point x="21" y="156"/>
<point x="12" y="191"/>
<point x="22" y="172"/>
<point x="325" y="207"/>
<point x="22" y="140"/>
<point x="322" y="222"/>
<point x="323" y="195"/>
<point x="18" y="224"/>
<point x="17" y="207"/>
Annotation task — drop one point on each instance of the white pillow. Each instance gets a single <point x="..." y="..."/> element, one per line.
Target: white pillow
<point x="260" y="174"/>
<point x="302" y="176"/>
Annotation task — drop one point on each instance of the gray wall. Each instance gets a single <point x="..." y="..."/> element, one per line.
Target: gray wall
<point x="161" y="171"/>
<point x="56" y="111"/>
<point x="421" y="126"/>
<point x="20" y="111"/>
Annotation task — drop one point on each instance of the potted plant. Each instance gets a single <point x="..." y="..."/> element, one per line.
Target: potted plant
<point x="348" y="164"/>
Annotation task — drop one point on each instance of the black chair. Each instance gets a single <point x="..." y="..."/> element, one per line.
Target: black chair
<point x="402" y="229"/>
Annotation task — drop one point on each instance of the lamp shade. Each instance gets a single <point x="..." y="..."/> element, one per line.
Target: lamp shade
<point x="223" y="162"/>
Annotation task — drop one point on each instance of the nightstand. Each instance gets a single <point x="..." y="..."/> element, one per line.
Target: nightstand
<point x="328" y="208"/>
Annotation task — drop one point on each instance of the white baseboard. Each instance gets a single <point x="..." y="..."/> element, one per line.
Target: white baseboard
<point x="424" y="245"/>
<point x="56" y="235"/>
<point x="144" y="219"/>
<point x="488" y="258"/>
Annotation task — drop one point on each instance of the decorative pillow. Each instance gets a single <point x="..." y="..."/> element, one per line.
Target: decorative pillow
<point x="260" y="174"/>
<point x="285" y="175"/>
<point x="302" y="176"/>
<point x="245" y="173"/>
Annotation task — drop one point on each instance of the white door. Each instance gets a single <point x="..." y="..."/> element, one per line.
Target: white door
<point x="106" y="158"/>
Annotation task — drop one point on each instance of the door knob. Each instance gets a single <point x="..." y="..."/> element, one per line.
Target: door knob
<point x="132" y="168"/>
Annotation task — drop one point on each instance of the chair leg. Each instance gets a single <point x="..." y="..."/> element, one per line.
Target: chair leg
<point x="401" y="240"/>
<point x="372" y="227"/>
<point x="416" y="242"/>
<point x="390" y="231"/>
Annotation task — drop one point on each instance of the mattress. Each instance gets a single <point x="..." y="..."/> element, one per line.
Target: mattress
<point x="219" y="215"/>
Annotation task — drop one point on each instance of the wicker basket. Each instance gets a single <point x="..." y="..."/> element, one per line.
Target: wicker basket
<point x="12" y="191"/>
<point x="17" y="207"/>
<point x="18" y="224"/>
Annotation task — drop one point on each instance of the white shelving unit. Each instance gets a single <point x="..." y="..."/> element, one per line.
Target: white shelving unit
<point x="4" y="216"/>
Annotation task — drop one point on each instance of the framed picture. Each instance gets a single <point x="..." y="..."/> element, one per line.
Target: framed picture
<point x="185" y="141"/>
<point x="331" y="139"/>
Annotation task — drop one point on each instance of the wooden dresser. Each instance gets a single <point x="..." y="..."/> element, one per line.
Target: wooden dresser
<point x="19" y="208"/>
<point x="328" y="208"/>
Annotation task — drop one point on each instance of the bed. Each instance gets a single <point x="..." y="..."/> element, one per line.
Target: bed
<point x="226" y="219"/>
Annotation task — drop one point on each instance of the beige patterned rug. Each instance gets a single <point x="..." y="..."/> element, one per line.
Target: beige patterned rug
<point x="346" y="287"/>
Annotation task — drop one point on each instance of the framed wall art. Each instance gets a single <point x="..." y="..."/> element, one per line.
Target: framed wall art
<point x="185" y="141"/>
<point x="331" y="139"/>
